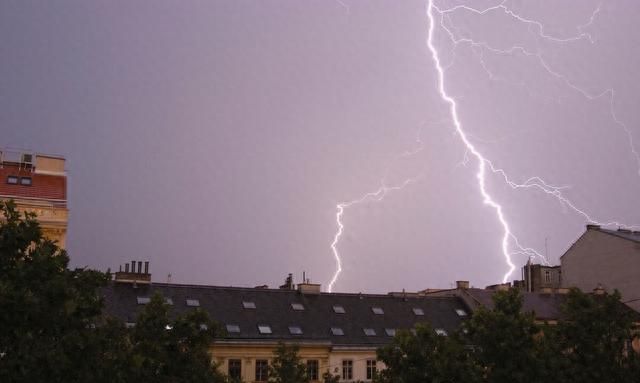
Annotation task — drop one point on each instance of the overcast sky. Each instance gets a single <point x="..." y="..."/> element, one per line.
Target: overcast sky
<point x="216" y="138"/>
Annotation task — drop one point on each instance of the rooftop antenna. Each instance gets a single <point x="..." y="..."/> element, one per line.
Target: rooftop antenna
<point x="546" y="249"/>
<point x="169" y="278"/>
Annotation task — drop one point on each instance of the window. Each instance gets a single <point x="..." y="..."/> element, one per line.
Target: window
<point x="26" y="181"/>
<point x="235" y="369"/>
<point x="390" y="331"/>
<point x="337" y="331"/>
<point x="193" y="303"/>
<point x="338" y="309"/>
<point x="461" y="313"/>
<point x="297" y="306"/>
<point x="347" y="369"/>
<point x="377" y="310"/>
<point x="547" y="276"/>
<point x="129" y="325"/>
<point x="248" y="305"/>
<point x="203" y="327"/>
<point x="312" y="369"/>
<point x="369" y="332"/>
<point x="371" y="368"/>
<point x="12" y="180"/>
<point x="143" y="300"/>
<point x="168" y="301"/>
<point x="418" y="311"/>
<point x="441" y="332"/>
<point x="295" y="330"/>
<point x="264" y="329"/>
<point x="233" y="329"/>
<point x="262" y="370"/>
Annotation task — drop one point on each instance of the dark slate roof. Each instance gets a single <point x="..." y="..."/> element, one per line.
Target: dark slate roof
<point x="273" y="308"/>
<point x="545" y="306"/>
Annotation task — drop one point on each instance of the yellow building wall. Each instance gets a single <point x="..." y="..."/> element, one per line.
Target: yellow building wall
<point x="329" y="359"/>
<point x="53" y="219"/>
<point x="248" y="353"/>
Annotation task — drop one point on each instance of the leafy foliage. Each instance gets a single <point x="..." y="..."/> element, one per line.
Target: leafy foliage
<point x="52" y="328"/>
<point x="426" y="357"/>
<point x="286" y="366"/>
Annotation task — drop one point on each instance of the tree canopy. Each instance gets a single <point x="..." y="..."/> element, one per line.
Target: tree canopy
<point x="53" y="329"/>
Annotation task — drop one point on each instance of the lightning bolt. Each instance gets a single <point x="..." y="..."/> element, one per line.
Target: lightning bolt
<point x="484" y="164"/>
<point x="510" y="244"/>
<point x="374" y="196"/>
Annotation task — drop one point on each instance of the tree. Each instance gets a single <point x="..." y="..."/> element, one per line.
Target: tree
<point x="172" y="351"/>
<point x="507" y="341"/>
<point x="593" y="339"/>
<point x="286" y="366"/>
<point x="426" y="357"/>
<point x="47" y="311"/>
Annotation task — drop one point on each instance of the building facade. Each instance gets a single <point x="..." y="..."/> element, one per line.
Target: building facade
<point x="38" y="184"/>
<point x="337" y="333"/>
<point x="609" y="259"/>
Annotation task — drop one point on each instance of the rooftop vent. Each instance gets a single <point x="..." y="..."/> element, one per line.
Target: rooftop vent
<point x="462" y="285"/>
<point x="309" y="288"/>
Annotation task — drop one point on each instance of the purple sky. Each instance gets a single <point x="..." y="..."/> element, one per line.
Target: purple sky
<point x="215" y="138"/>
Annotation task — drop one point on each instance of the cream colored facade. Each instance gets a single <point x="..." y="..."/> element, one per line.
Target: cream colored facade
<point x="330" y="358"/>
<point x="600" y="258"/>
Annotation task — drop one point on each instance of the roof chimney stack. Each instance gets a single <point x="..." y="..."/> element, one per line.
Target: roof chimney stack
<point x="462" y="285"/>
<point x="132" y="276"/>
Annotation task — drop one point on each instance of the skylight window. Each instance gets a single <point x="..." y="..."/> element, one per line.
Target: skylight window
<point x="248" y="305"/>
<point x="390" y="331"/>
<point x="461" y="313"/>
<point x="337" y="331"/>
<point x="369" y="332"/>
<point x="168" y="301"/>
<point x="295" y="330"/>
<point x="193" y="303"/>
<point x="233" y="328"/>
<point x="441" y="332"/>
<point x="418" y="311"/>
<point x="143" y="300"/>
<point x="203" y="327"/>
<point x="130" y="325"/>
<point x="297" y="306"/>
<point x="377" y="310"/>
<point x="264" y="329"/>
<point x="338" y="309"/>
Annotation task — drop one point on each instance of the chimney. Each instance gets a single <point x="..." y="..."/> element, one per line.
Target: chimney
<point x="462" y="285"/>
<point x="133" y="276"/>
<point x="599" y="290"/>
<point x="309" y="288"/>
